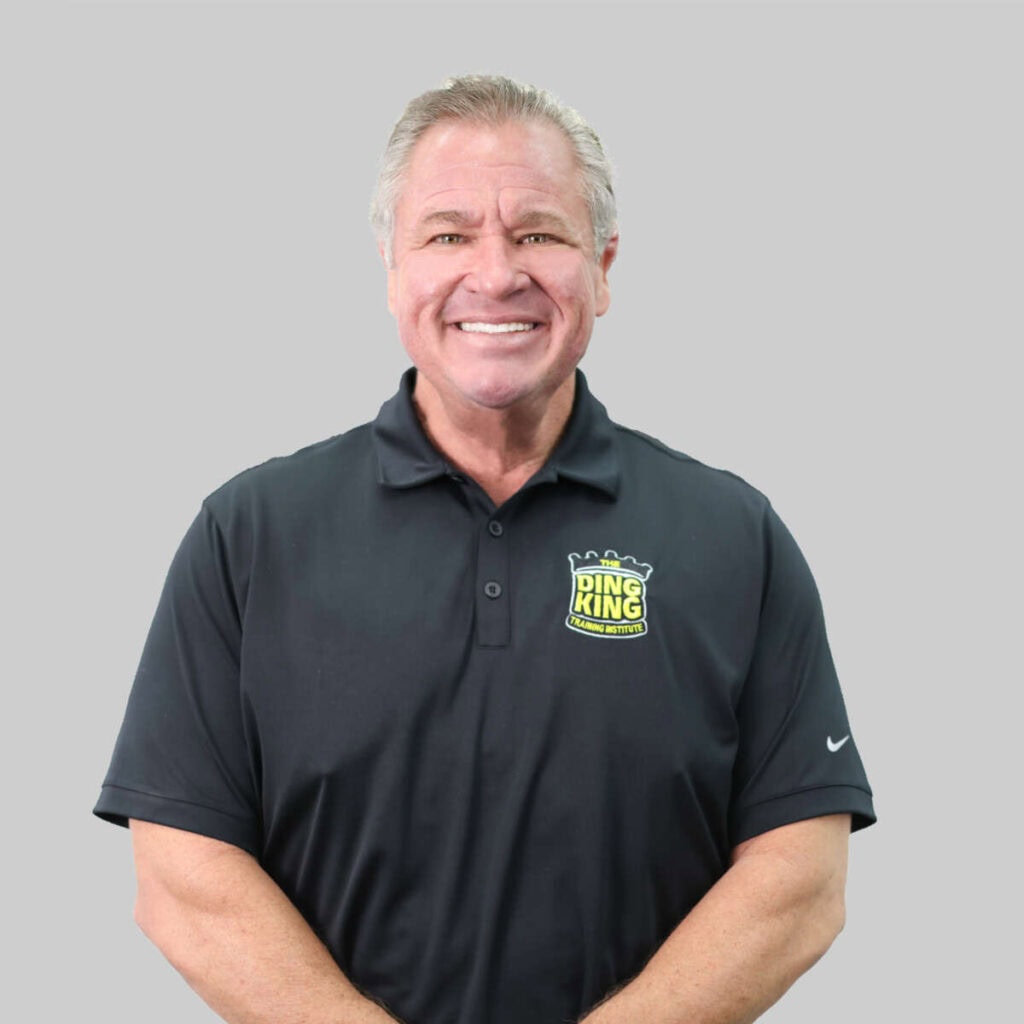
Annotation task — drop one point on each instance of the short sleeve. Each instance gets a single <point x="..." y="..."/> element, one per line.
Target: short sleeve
<point x="181" y="758"/>
<point x="797" y="757"/>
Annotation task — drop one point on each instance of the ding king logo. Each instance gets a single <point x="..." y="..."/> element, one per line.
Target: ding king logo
<point x="608" y="595"/>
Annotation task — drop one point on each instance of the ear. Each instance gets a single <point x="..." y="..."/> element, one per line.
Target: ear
<point x="604" y="297"/>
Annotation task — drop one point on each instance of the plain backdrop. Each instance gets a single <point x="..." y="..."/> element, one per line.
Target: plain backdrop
<point x="819" y="287"/>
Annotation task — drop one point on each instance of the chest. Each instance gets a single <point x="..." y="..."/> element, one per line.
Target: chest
<point x="448" y="638"/>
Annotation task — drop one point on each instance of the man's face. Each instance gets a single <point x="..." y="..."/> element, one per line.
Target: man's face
<point x="494" y="283"/>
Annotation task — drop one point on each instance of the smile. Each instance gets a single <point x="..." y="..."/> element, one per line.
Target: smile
<point x="486" y="328"/>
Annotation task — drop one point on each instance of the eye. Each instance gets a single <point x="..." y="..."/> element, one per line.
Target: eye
<point x="448" y="238"/>
<point x="536" y="238"/>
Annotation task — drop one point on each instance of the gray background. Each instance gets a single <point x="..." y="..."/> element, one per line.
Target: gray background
<point x="818" y="287"/>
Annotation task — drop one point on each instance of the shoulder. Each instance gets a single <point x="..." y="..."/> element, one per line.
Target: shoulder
<point x="304" y="480"/>
<point x="654" y="469"/>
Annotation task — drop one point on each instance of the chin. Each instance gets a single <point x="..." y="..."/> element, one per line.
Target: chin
<point x="493" y="389"/>
<point x="495" y="395"/>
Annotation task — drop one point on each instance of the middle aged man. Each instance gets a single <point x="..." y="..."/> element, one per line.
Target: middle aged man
<point x="491" y="711"/>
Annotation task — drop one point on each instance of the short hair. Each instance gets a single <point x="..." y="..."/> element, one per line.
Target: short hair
<point x="492" y="100"/>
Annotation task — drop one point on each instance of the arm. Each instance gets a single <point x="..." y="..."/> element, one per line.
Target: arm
<point x="770" y="917"/>
<point x="235" y="937"/>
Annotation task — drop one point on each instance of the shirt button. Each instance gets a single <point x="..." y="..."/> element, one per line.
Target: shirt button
<point x="492" y="588"/>
<point x="495" y="528"/>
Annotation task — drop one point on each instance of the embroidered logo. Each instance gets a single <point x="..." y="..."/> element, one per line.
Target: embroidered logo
<point x="609" y="595"/>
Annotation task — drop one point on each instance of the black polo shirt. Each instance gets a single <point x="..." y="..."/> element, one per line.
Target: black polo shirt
<point x="493" y="755"/>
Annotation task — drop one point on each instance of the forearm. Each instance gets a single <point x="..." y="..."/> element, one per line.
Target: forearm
<point x="771" y="916"/>
<point x="235" y="937"/>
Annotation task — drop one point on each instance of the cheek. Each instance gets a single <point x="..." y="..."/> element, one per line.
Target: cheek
<point x="427" y="286"/>
<point x="578" y="298"/>
<point x="571" y="285"/>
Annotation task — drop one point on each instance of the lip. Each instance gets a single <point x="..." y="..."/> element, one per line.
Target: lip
<point x="493" y="330"/>
<point x="498" y="341"/>
<point x="512" y="318"/>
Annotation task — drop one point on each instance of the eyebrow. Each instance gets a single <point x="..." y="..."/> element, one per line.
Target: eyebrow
<point x="530" y="220"/>
<point x="542" y="219"/>
<point x="457" y="218"/>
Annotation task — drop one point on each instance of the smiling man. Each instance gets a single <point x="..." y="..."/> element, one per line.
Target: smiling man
<point x="490" y="711"/>
<point x="495" y="283"/>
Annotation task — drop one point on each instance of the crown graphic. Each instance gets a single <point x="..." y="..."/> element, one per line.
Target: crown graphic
<point x="610" y="561"/>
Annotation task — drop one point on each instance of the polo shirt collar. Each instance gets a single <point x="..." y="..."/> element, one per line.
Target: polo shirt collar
<point x="586" y="452"/>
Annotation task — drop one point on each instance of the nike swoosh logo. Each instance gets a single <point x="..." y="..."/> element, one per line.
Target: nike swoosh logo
<point x="834" y="746"/>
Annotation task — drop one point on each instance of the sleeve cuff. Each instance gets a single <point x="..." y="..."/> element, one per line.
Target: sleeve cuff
<point x="117" y="804"/>
<point x="809" y="803"/>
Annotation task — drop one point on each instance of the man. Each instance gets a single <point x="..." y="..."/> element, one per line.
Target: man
<point x="491" y="711"/>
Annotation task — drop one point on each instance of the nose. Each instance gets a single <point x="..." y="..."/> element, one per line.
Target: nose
<point x="495" y="271"/>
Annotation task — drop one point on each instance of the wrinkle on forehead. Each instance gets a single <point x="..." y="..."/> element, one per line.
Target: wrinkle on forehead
<point x="461" y="155"/>
<point x="488" y="182"/>
<point x="464" y="201"/>
<point x="504" y="174"/>
<point x="512" y="211"/>
<point x="488" y="144"/>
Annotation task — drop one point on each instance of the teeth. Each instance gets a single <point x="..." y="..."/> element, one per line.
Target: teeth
<point x="485" y="328"/>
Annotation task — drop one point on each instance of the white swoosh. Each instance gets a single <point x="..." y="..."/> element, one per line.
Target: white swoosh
<point x="833" y="747"/>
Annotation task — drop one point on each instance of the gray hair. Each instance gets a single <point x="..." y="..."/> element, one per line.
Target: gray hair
<point x="492" y="100"/>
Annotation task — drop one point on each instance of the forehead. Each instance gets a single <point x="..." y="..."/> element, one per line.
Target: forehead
<point x="531" y="158"/>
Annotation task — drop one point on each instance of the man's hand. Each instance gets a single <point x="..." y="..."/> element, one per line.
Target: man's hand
<point x="221" y="920"/>
<point x="770" y="917"/>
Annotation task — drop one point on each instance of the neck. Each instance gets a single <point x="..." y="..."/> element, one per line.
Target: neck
<point x="499" y="448"/>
